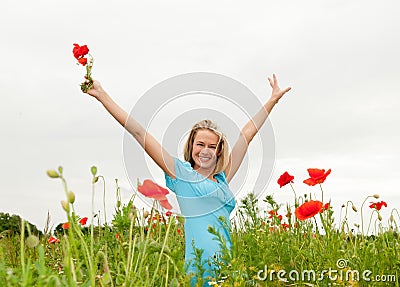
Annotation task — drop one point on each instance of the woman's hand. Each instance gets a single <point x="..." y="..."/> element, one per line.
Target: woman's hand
<point x="96" y="90"/>
<point x="277" y="93"/>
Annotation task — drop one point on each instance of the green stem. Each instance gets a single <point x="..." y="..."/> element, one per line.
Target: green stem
<point x="361" y="212"/>
<point x="322" y="193"/>
<point x="370" y="219"/>
<point x="161" y="252"/>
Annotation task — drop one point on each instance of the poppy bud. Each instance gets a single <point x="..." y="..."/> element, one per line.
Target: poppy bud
<point x="357" y="225"/>
<point x="354" y="208"/>
<point x="93" y="170"/>
<point x="71" y="197"/>
<point x="52" y="173"/>
<point x="379" y="217"/>
<point x="146" y="214"/>
<point x="391" y="218"/>
<point x="95" y="179"/>
<point x="65" y="205"/>
<point x="376" y="196"/>
<point x="343" y="206"/>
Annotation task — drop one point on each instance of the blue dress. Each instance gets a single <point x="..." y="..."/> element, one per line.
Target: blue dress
<point x="202" y="201"/>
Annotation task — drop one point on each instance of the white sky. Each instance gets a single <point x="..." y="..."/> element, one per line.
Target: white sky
<point x="340" y="57"/>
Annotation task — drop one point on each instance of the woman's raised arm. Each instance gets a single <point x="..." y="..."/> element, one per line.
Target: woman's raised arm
<point x="152" y="147"/>
<point x="251" y="128"/>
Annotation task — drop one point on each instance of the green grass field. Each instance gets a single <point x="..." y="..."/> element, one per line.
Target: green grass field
<point x="271" y="247"/>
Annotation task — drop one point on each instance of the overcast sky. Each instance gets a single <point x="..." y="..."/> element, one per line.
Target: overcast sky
<point x="340" y="58"/>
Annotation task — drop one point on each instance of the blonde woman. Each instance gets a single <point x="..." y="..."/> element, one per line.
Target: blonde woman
<point x="201" y="180"/>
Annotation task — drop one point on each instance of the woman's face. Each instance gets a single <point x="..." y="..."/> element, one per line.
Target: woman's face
<point x="204" y="153"/>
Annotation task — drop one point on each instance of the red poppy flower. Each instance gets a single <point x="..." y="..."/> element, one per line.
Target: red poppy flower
<point x="82" y="61"/>
<point x="52" y="239"/>
<point x="316" y="176"/>
<point x="378" y="205"/>
<point x="285" y="178"/>
<point x="285" y="226"/>
<point x="80" y="51"/>
<point x="308" y="209"/>
<point x="325" y="207"/>
<point x="153" y="190"/>
<point x="65" y="225"/>
<point x="168" y="213"/>
<point x="83" y="221"/>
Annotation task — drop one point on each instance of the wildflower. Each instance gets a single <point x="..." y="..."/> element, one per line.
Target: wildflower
<point x="146" y="214"/>
<point x="83" y="221"/>
<point x="65" y="225"/>
<point x="285" y="226"/>
<point x="152" y="190"/>
<point x="316" y="176"/>
<point x="308" y="209"/>
<point x="285" y="178"/>
<point x="325" y="207"/>
<point x="378" y="205"/>
<point x="82" y="61"/>
<point x="117" y="236"/>
<point x="168" y="213"/>
<point x="53" y="239"/>
<point x="80" y="51"/>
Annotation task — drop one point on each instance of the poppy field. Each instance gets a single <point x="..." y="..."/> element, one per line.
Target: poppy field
<point x="296" y="243"/>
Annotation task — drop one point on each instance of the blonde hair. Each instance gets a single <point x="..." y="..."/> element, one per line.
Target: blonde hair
<point x="222" y="147"/>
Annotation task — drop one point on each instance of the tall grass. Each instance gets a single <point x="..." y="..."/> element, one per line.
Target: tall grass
<point x="146" y="248"/>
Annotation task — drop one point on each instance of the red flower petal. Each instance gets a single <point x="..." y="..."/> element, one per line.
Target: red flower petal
<point x="153" y="190"/>
<point x="82" y="61"/>
<point x="310" y="182"/>
<point x="65" y="225"/>
<point x="308" y="209"/>
<point x="165" y="203"/>
<point x="52" y="239"/>
<point x="285" y="178"/>
<point x="83" y="221"/>
<point x="315" y="172"/>
<point x="80" y="51"/>
<point x="316" y="176"/>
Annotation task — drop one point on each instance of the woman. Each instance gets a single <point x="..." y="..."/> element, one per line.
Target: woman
<point x="201" y="181"/>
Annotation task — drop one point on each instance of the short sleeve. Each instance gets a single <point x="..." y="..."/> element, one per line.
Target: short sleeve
<point x="182" y="171"/>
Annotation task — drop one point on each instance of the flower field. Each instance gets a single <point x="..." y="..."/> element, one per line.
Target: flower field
<point x="297" y="243"/>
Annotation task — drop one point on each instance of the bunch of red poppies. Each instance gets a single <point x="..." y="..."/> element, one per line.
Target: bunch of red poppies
<point x="81" y="53"/>
<point x="312" y="207"/>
